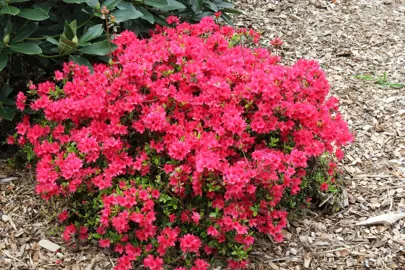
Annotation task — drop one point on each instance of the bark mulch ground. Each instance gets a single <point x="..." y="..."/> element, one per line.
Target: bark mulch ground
<point x="360" y="44"/>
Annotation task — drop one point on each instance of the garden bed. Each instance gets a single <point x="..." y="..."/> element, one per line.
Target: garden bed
<point x="348" y="39"/>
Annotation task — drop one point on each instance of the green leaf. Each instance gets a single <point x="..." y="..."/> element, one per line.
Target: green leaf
<point x="81" y="60"/>
<point x="91" y="33"/>
<point x="392" y="85"/>
<point x="9" y="102"/>
<point x="196" y="6"/>
<point x="173" y="5"/>
<point x="126" y="15"/>
<point x="99" y="48"/>
<point x="146" y="15"/>
<point x="76" y="1"/>
<point x="69" y="30"/>
<point x="25" y="48"/>
<point x="5" y="92"/>
<point x="93" y="3"/>
<point x="226" y="18"/>
<point x="7" y="113"/>
<point x="225" y="4"/>
<point x="155" y="3"/>
<point x="211" y="5"/>
<point x="68" y="40"/>
<point x="18" y="1"/>
<point x="52" y="40"/>
<point x="110" y="4"/>
<point x="3" y="60"/>
<point x="25" y="32"/>
<point x="34" y="14"/>
<point x="10" y="10"/>
<point x="66" y="46"/>
<point x="125" y="5"/>
<point x="45" y="6"/>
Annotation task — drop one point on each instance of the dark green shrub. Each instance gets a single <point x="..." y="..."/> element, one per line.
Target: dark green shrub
<point x="55" y="31"/>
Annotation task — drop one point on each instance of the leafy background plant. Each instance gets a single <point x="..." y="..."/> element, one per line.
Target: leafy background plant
<point x="40" y="35"/>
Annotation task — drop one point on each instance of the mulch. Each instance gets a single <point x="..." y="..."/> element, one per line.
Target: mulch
<point x="356" y="42"/>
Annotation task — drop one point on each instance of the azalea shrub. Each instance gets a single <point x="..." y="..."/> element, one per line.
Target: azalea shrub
<point x="183" y="146"/>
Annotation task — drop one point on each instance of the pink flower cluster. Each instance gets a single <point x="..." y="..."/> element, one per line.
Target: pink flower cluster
<point x="220" y="133"/>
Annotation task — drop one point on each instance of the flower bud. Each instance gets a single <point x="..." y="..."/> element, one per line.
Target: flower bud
<point x="6" y="39"/>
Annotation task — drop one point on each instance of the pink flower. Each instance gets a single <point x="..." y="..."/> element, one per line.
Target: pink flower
<point x="153" y="263"/>
<point x="59" y="75"/>
<point x="196" y="217"/>
<point x="10" y="140"/>
<point x="69" y="232"/>
<point x="212" y="231"/>
<point x="200" y="264"/>
<point x="71" y="166"/>
<point x="21" y="99"/>
<point x="104" y="243"/>
<point x="172" y="20"/>
<point x="276" y="42"/>
<point x="324" y="186"/>
<point x="190" y="243"/>
<point x="63" y="216"/>
<point x="217" y="14"/>
<point x="183" y="132"/>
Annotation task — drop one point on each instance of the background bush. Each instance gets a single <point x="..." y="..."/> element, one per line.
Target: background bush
<point x="52" y="32"/>
<point x="183" y="145"/>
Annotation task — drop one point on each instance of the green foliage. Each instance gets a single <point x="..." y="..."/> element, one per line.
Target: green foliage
<point x="55" y="31"/>
<point x="381" y="81"/>
<point x="7" y="105"/>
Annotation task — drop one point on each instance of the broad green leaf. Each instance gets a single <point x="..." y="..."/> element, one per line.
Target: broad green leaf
<point x="45" y="6"/>
<point x="196" y="6"/>
<point x="24" y="32"/>
<point x="7" y="113"/>
<point x="7" y="29"/>
<point x="69" y="30"/>
<point x="110" y="4"/>
<point x="18" y="1"/>
<point x="146" y="15"/>
<point x="155" y="3"/>
<point x="224" y="4"/>
<point x="25" y="48"/>
<point x="3" y="60"/>
<point x="81" y="60"/>
<point x="52" y="40"/>
<point x="76" y="1"/>
<point x="68" y="40"/>
<point x="34" y="14"/>
<point x="91" y="33"/>
<point x="126" y="15"/>
<point x="10" y="10"/>
<point x="125" y="5"/>
<point x="211" y="5"/>
<point x="5" y="91"/>
<point x="226" y="18"/>
<point x="99" y="48"/>
<point x="9" y="102"/>
<point x="173" y="5"/>
<point x="93" y="3"/>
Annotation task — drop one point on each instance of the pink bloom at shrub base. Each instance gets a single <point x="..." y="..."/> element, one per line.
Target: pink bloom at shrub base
<point x="184" y="144"/>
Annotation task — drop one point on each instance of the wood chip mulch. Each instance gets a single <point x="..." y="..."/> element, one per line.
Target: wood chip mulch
<point x="356" y="42"/>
